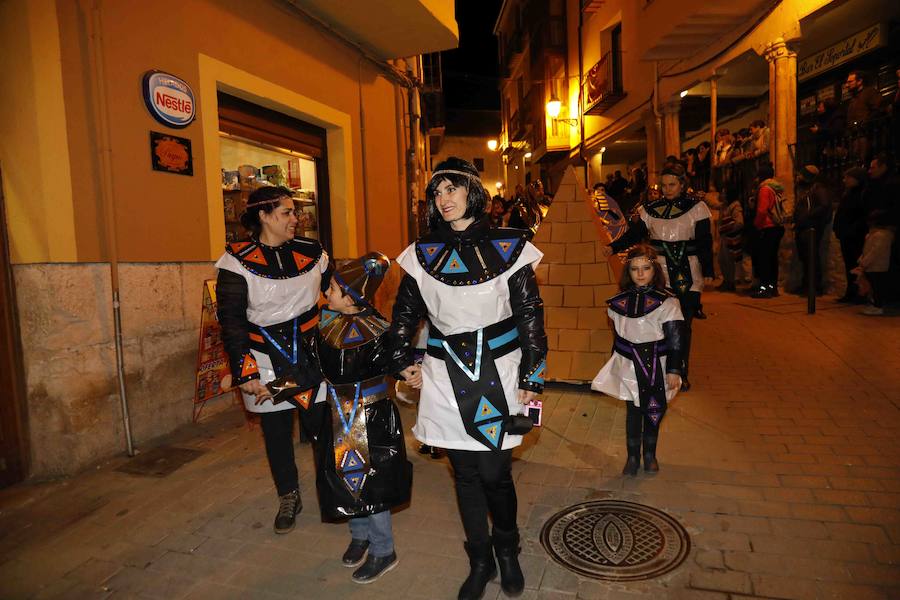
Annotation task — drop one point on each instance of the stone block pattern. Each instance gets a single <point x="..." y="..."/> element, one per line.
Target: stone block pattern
<point x="66" y="323"/>
<point x="575" y="280"/>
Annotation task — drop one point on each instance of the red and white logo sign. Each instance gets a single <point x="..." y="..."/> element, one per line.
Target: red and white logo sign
<point x="169" y="99"/>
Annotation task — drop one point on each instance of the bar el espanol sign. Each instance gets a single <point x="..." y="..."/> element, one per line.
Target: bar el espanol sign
<point x="845" y="50"/>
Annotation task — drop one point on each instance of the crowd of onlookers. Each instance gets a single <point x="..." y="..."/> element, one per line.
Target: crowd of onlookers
<point x="525" y="209"/>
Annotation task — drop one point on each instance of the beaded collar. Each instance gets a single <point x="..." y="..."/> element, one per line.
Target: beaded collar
<point x="638" y="302"/>
<point x="663" y="209"/>
<point x="291" y="259"/>
<point x="470" y="257"/>
<point x="344" y="332"/>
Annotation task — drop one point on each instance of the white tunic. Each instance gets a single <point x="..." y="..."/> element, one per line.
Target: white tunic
<point x="617" y="377"/>
<point x="271" y="301"/>
<point x="458" y="309"/>
<point x="679" y="229"/>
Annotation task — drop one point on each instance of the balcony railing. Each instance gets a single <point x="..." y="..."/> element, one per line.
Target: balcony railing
<point x="835" y="151"/>
<point x="603" y="84"/>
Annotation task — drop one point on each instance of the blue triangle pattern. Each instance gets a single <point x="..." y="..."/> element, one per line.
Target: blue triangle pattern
<point x="430" y="251"/>
<point x="353" y="334"/>
<point x="354" y="481"/>
<point x="327" y="316"/>
<point x="538" y="375"/>
<point x="491" y="431"/>
<point x="454" y="264"/>
<point x="351" y="461"/>
<point x="486" y="411"/>
<point x="506" y="247"/>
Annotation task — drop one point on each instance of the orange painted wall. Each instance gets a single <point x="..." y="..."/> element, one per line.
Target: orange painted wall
<point x="163" y="217"/>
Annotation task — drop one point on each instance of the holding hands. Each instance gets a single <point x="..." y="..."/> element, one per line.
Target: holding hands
<point x="413" y="376"/>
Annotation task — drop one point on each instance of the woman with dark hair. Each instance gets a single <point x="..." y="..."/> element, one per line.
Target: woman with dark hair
<point x="850" y="227"/>
<point x="528" y="212"/>
<point x="678" y="227"/>
<point x="485" y="359"/>
<point x="268" y="290"/>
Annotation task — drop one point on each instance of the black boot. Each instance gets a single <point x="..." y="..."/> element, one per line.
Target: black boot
<point x="506" y="547"/>
<point x="634" y="456"/>
<point x="650" y="463"/>
<point x="482" y="569"/>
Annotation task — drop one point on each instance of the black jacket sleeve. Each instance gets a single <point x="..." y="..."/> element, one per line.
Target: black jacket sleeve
<point x="675" y="335"/>
<point x="703" y="239"/>
<point x="635" y="234"/>
<point x="409" y="310"/>
<point x="528" y="312"/>
<point x="231" y="310"/>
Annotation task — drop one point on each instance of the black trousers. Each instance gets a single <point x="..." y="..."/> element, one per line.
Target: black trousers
<point x="638" y="425"/>
<point x="484" y="485"/>
<point x="690" y="304"/>
<point x="851" y="249"/>
<point x="766" y="255"/>
<point x="278" y="433"/>
<point x="802" y="242"/>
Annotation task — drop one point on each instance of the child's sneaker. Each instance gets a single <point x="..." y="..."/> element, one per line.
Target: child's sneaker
<point x="375" y="567"/>
<point x="355" y="554"/>
<point x="872" y="311"/>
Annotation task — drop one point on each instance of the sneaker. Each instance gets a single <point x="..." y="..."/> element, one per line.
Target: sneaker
<point x="288" y="507"/>
<point x="872" y="311"/>
<point x="355" y="553"/>
<point x="375" y="567"/>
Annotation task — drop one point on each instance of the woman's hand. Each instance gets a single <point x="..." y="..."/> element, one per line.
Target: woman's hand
<point x="413" y="376"/>
<point x="526" y="396"/>
<point x="257" y="389"/>
<point x="673" y="381"/>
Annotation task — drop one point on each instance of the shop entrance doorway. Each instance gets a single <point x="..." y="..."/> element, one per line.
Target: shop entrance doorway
<point x="12" y="399"/>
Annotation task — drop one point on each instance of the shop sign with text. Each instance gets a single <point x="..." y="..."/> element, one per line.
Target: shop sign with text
<point x="845" y="50"/>
<point x="169" y="99"/>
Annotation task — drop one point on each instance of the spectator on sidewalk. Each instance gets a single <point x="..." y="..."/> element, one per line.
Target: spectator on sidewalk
<point x="850" y="227"/>
<point x="769" y="231"/>
<point x="703" y="166"/>
<point x="812" y="212"/>
<point x="731" y="229"/>
<point x="863" y="105"/>
<point x="759" y="141"/>
<point x="875" y="261"/>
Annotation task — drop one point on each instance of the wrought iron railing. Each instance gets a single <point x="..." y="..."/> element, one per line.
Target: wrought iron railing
<point x="855" y="145"/>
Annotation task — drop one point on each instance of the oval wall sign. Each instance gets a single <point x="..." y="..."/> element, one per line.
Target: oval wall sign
<point x="169" y="99"/>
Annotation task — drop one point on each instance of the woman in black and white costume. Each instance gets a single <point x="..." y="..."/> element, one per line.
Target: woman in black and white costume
<point x="485" y="358"/>
<point x="678" y="227"/>
<point x="268" y="290"/>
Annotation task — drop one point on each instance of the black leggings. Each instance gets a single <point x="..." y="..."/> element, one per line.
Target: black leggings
<point x="690" y="304"/>
<point x="484" y="484"/>
<point x="766" y="255"/>
<point x="278" y="433"/>
<point x="638" y="424"/>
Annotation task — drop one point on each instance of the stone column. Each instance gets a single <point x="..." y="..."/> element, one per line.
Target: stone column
<point x="783" y="69"/>
<point x="670" y="127"/>
<point x="713" y="124"/>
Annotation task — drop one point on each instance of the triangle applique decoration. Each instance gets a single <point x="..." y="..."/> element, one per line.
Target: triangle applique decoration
<point x="653" y="403"/>
<point x="454" y="265"/>
<point x="354" y="481"/>
<point x="353" y="334"/>
<point x="538" y="375"/>
<point x="303" y="398"/>
<point x="351" y="461"/>
<point x="506" y="247"/>
<point x="249" y="366"/>
<point x="238" y="246"/>
<point x="622" y="303"/>
<point x="492" y="432"/>
<point x="257" y="257"/>
<point x="650" y="303"/>
<point x="655" y="417"/>
<point x="675" y="211"/>
<point x="430" y="251"/>
<point x="327" y="316"/>
<point x="486" y="411"/>
<point x="301" y="260"/>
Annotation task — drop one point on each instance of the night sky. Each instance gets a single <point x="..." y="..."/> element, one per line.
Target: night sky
<point x="470" y="72"/>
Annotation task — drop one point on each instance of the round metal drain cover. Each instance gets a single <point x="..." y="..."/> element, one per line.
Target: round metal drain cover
<point x="615" y="540"/>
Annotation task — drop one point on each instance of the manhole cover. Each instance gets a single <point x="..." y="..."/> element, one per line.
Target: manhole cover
<point x="615" y="540"/>
<point x="159" y="462"/>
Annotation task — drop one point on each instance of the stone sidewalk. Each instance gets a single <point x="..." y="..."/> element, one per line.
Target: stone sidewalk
<point x="782" y="463"/>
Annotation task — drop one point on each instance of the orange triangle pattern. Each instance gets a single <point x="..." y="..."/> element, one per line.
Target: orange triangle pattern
<point x="249" y="366"/>
<point x="238" y="246"/>
<point x="301" y="260"/>
<point x="303" y="398"/>
<point x="257" y="257"/>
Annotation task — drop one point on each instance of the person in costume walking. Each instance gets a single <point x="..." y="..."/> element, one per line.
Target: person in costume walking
<point x="485" y="359"/>
<point x="362" y="471"/>
<point x="268" y="288"/>
<point x="678" y="228"/>
<point x="645" y="367"/>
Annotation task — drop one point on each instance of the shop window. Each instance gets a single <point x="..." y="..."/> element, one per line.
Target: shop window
<point x="259" y="147"/>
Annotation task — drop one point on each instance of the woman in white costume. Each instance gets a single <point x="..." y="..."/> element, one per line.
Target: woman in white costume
<point x="645" y="367"/>
<point x="484" y="361"/>
<point x="267" y="291"/>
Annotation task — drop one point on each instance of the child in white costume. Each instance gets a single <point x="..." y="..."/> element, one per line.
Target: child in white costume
<point x="645" y="367"/>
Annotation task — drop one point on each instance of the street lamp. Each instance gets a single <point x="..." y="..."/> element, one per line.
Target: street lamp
<point x="492" y="145"/>
<point x="527" y="155"/>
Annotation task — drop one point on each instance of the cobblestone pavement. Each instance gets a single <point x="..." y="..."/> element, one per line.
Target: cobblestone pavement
<point x="782" y="463"/>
